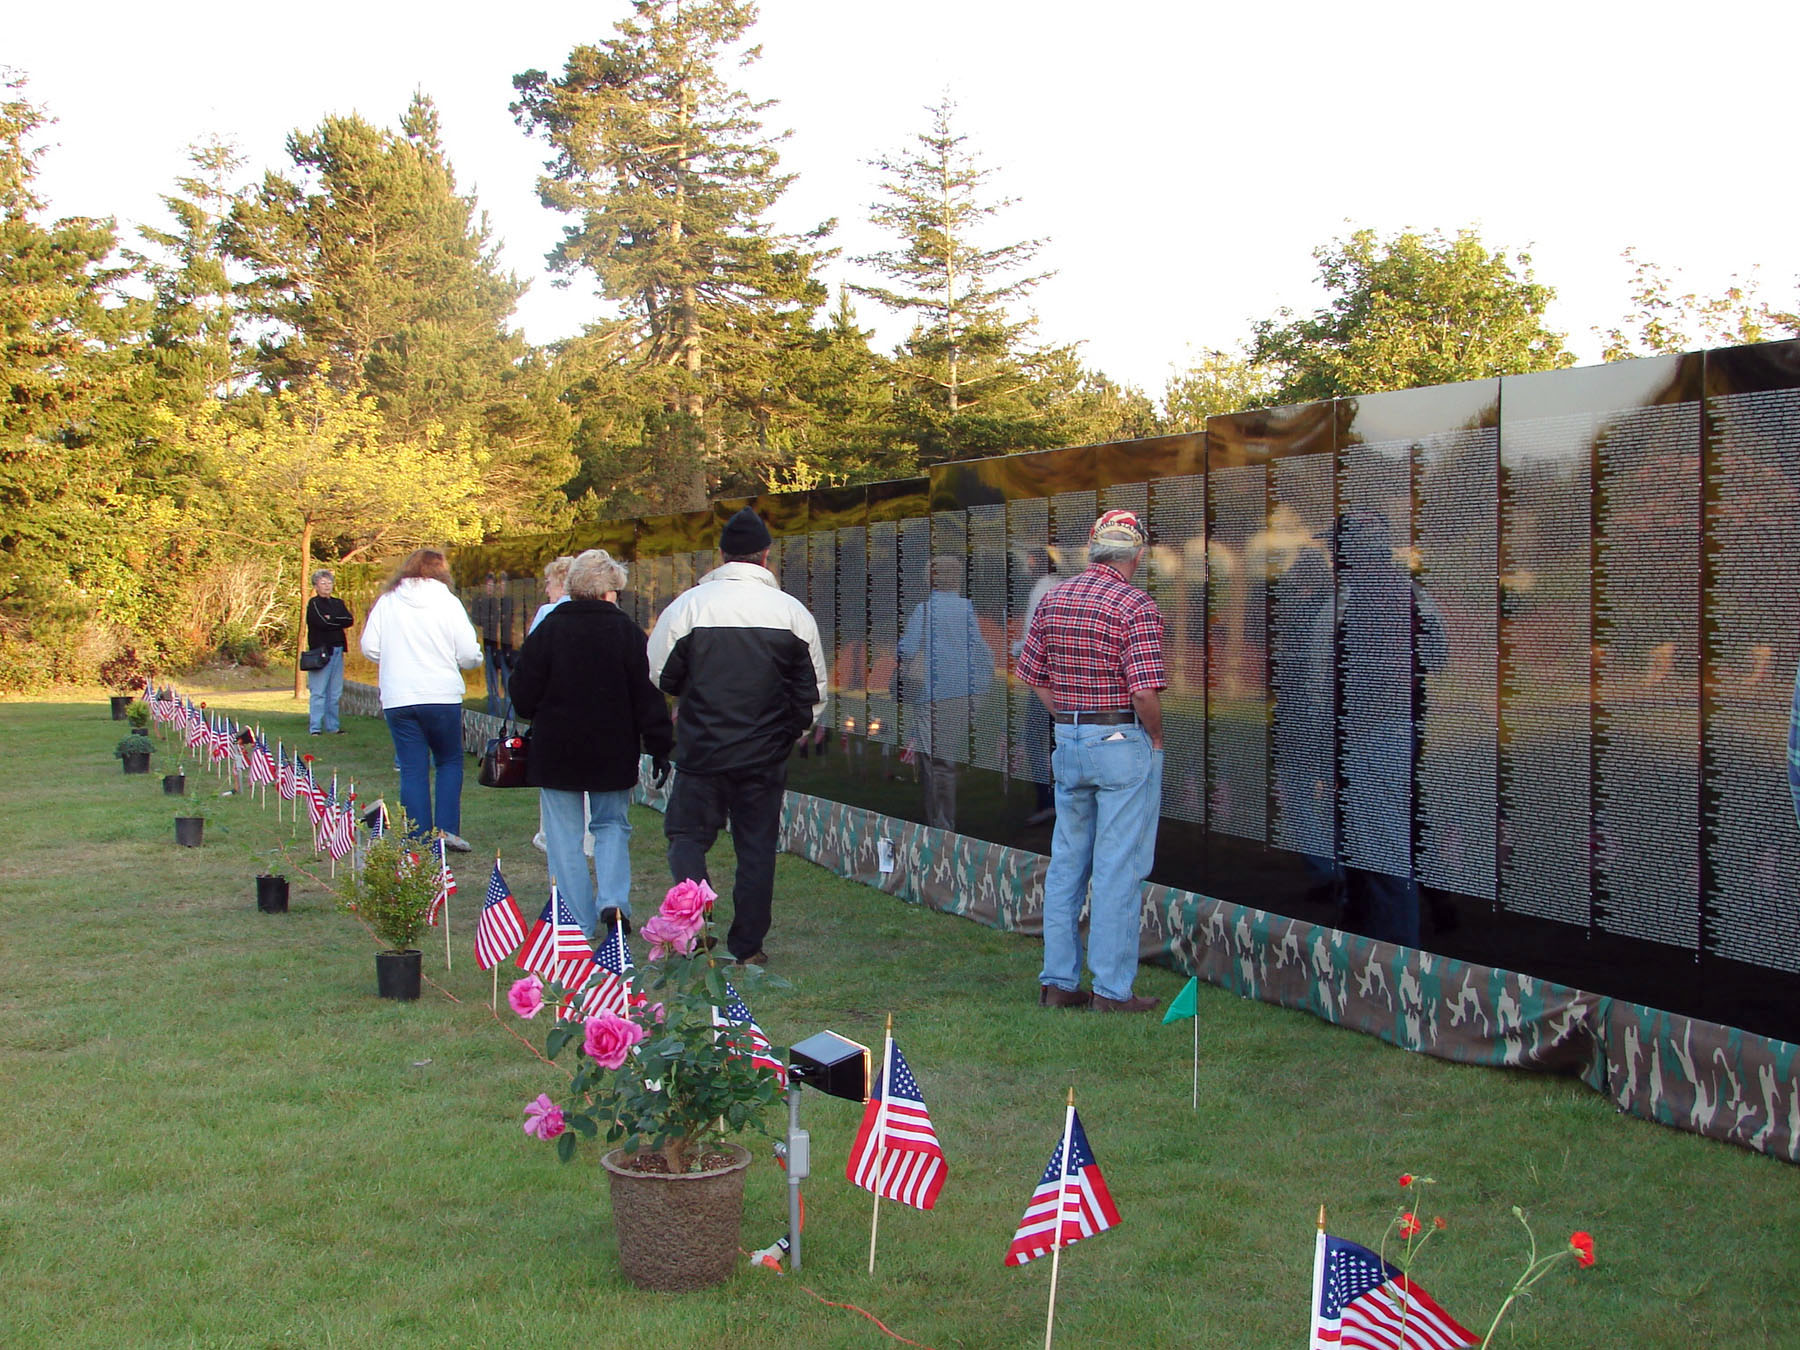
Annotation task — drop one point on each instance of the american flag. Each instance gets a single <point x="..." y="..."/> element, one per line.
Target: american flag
<point x="555" y="948"/>
<point x="315" y="801"/>
<point x="340" y="828"/>
<point x="896" y="1153"/>
<point x="1071" y="1199"/>
<point x="1360" y="1300"/>
<point x="735" y="1015"/>
<point x="195" y="721"/>
<point x="220" y="739"/>
<point x="287" y="778"/>
<point x="609" y="990"/>
<point x="446" y="885"/>
<point x="501" y="928"/>
<point x="262" y="763"/>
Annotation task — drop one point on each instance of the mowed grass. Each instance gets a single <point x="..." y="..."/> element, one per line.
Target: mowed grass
<point x="213" y="1133"/>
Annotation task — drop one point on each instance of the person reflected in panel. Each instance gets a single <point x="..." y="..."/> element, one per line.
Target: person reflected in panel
<point x="945" y="664"/>
<point x="1308" y="792"/>
<point x="1037" y="716"/>
<point x="1384" y="619"/>
<point x="487" y="611"/>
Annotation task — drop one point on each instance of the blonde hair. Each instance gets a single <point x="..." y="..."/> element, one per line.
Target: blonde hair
<point x="594" y="573"/>
<point x="557" y="571"/>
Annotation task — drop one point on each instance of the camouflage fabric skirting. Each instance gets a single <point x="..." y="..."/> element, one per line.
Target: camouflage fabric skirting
<point x="1679" y="1071"/>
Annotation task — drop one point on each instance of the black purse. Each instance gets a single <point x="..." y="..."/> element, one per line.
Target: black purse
<point x="503" y="763"/>
<point x="315" y="658"/>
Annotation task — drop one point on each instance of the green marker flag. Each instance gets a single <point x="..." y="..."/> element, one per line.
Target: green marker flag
<point x="1186" y="1003"/>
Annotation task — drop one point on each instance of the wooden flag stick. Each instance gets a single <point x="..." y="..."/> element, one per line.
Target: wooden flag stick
<point x="887" y="1060"/>
<point x="1196" y="1105"/>
<point x="1062" y="1194"/>
<point x="446" y="857"/>
<point x="494" y="999"/>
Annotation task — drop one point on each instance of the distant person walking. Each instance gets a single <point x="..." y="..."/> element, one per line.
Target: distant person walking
<point x="1094" y="653"/>
<point x="494" y="619"/>
<point x="583" y="678"/>
<point x="328" y="621"/>
<point x="421" y="637"/>
<point x="743" y="657"/>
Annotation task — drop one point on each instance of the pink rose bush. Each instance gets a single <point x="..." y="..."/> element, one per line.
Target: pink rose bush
<point x="609" y="1038"/>
<point x="543" y="1118"/>
<point x="526" y="996"/>
<point x="653" y="1073"/>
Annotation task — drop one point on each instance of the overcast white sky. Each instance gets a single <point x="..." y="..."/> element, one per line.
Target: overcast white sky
<point x="1182" y="159"/>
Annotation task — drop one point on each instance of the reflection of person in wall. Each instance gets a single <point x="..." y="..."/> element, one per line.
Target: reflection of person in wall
<point x="1794" y="748"/>
<point x="1307" y="653"/>
<point x="945" y="665"/>
<point x="493" y="618"/>
<point x="1037" y="716"/>
<point x="1392" y="636"/>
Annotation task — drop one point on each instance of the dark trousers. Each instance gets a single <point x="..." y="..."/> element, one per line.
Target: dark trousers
<point x="699" y="806"/>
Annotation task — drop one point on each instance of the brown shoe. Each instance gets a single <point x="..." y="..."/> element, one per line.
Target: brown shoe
<point x="1052" y="996"/>
<point x="1138" y="1003"/>
<point x="754" y="959"/>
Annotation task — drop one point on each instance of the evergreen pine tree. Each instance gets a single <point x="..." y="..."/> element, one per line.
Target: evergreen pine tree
<point x="670" y="176"/>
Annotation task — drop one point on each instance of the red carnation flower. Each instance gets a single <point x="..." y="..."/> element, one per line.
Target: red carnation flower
<point x="1582" y="1244"/>
<point x="1406" y="1178"/>
<point x="1409" y="1226"/>
<point x="1438" y="1223"/>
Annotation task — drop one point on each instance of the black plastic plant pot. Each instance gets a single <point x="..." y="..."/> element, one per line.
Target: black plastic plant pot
<point x="138" y="763"/>
<point x="174" y="785"/>
<point x="271" y="894"/>
<point x="397" y="974"/>
<point x="120" y="702"/>
<point x="189" y="830"/>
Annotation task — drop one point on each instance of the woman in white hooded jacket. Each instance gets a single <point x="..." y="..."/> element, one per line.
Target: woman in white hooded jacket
<point x="421" y="637"/>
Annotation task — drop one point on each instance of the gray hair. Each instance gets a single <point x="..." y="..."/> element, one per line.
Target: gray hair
<point x="557" y="571"/>
<point x="323" y="574"/>
<point x="594" y="573"/>
<point x="1104" y="551"/>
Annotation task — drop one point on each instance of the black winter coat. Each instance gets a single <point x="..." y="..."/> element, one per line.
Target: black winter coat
<point x="583" y="679"/>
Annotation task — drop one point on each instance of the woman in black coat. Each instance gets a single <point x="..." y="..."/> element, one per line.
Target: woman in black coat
<point x="583" y="679"/>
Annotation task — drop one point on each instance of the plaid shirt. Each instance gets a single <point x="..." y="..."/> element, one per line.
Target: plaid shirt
<point x="1094" y="640"/>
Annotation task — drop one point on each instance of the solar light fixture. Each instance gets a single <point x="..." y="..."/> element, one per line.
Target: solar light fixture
<point x="836" y="1066"/>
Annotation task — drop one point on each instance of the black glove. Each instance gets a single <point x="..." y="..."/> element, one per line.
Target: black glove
<point x="659" y="772"/>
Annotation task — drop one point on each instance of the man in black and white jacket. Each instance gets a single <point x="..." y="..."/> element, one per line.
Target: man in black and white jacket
<point x="743" y="657"/>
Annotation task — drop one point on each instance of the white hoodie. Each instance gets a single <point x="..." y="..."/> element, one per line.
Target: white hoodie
<point x="421" y="637"/>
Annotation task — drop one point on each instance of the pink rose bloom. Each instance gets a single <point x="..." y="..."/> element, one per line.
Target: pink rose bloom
<point x="665" y="935"/>
<point x="687" y="904"/>
<point x="543" y="1118"/>
<point x="526" y="996"/>
<point x="609" y="1039"/>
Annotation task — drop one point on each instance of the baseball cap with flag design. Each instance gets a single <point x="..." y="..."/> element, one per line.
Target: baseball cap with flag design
<point x="1119" y="527"/>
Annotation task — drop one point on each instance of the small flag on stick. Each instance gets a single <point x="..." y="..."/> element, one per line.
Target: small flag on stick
<point x="1187" y="1004"/>
<point x="501" y="928"/>
<point x="896" y="1154"/>
<point x="1360" y="1300"/>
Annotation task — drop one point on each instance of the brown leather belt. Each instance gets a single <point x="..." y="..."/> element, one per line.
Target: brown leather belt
<point x="1120" y="717"/>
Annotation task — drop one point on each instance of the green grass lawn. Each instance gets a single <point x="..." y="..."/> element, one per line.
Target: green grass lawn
<point x="214" y="1134"/>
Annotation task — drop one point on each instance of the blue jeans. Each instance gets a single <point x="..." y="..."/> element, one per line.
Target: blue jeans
<point x="324" y="688"/>
<point x="565" y="821"/>
<point x="494" y="673"/>
<point x="1108" y="798"/>
<point x="426" y="734"/>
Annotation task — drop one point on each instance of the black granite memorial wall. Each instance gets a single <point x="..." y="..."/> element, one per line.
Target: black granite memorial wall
<point x="1501" y="669"/>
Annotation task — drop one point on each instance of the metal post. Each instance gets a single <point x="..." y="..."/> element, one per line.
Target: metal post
<point x="799" y="1164"/>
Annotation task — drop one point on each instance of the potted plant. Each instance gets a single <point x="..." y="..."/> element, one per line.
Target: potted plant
<point x="272" y="885"/>
<point x="125" y="675"/>
<point x="393" y="896"/>
<point x="135" y="749"/>
<point x="175" y="784"/>
<point x="669" y="1083"/>
<point x="191" y="815"/>
<point x="137" y="713"/>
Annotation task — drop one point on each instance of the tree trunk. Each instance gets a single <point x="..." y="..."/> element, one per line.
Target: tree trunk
<point x="306" y="534"/>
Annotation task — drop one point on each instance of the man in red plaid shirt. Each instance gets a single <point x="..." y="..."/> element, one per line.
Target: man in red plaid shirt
<point x="1095" y="656"/>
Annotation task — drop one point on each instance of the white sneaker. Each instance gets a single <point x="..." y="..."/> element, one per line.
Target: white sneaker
<point x="537" y="842"/>
<point x="457" y="844"/>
